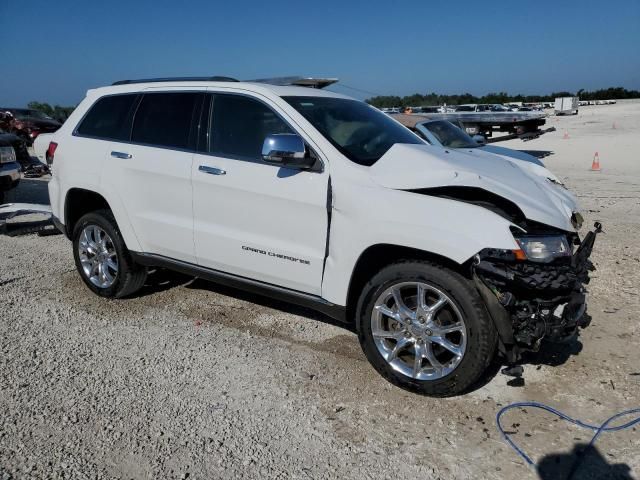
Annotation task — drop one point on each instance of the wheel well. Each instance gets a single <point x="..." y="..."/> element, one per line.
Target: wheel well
<point x="376" y="257"/>
<point x="78" y="203"/>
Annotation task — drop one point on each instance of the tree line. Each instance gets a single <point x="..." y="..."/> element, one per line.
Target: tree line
<point x="419" y="100"/>
<point x="58" y="112"/>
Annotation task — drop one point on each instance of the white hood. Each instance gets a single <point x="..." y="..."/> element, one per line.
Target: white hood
<point x="410" y="167"/>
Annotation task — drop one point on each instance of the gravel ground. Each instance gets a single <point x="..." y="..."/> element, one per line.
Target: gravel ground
<point x="193" y="380"/>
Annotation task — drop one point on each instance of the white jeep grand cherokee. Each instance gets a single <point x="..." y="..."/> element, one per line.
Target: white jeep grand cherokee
<point x="440" y="260"/>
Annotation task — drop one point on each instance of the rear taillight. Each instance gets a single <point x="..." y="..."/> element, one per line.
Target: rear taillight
<point x="51" y="152"/>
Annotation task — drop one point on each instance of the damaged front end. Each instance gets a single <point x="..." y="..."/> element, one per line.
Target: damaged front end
<point x="538" y="291"/>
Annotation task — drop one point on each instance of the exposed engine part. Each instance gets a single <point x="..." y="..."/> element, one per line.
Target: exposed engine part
<point x="540" y="300"/>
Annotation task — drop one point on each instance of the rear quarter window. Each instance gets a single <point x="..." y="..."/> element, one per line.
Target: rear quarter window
<point x="109" y="118"/>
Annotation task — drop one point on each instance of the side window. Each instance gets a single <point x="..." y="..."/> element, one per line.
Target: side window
<point x="164" y="119"/>
<point x="109" y="117"/>
<point x="239" y="126"/>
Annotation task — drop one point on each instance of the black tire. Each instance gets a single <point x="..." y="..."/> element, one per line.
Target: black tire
<point x="130" y="276"/>
<point x="481" y="334"/>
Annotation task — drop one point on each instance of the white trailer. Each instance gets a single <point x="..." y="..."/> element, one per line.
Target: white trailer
<point x="566" y="105"/>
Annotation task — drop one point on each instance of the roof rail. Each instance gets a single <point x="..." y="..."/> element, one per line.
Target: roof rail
<point x="176" y="79"/>
<point x="297" y="81"/>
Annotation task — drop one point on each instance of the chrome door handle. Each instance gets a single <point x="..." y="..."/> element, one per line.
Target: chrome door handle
<point x="212" y="170"/>
<point x="121" y="155"/>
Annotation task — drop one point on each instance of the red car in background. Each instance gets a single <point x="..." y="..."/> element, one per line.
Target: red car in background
<point x="27" y="123"/>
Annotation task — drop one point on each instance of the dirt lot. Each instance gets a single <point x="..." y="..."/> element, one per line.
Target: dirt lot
<point x="192" y="380"/>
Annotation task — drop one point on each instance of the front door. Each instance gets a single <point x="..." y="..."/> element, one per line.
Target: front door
<point x="251" y="219"/>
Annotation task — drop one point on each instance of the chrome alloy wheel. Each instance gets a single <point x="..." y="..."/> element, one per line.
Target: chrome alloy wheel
<point x="98" y="256"/>
<point x="418" y="330"/>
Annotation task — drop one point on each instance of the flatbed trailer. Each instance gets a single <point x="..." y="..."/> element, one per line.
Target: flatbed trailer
<point x="523" y="125"/>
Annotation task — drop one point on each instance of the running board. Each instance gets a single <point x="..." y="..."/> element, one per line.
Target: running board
<point x="337" y="312"/>
<point x="13" y="210"/>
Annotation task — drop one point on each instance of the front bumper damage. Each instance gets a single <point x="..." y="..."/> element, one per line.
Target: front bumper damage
<point x="530" y="301"/>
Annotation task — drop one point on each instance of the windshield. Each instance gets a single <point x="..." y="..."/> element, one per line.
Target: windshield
<point x="449" y="135"/>
<point x="362" y="133"/>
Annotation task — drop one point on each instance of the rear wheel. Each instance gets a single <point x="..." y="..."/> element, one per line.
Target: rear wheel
<point x="425" y="329"/>
<point x="102" y="258"/>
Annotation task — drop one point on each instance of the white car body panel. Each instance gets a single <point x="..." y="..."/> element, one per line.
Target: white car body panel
<point x="410" y="167"/>
<point x="448" y="228"/>
<point x="40" y="146"/>
<point x="249" y="219"/>
<point x="522" y="159"/>
<point x="537" y="171"/>
<point x="156" y="186"/>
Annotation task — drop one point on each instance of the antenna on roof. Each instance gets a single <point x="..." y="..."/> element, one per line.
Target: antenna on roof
<point x="297" y="81"/>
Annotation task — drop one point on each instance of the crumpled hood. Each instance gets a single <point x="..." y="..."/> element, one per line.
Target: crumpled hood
<point x="411" y="167"/>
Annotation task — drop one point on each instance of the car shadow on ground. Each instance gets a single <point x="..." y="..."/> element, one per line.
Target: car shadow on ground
<point x="584" y="462"/>
<point x="160" y="280"/>
<point x="538" y="153"/>
<point x="553" y="354"/>
<point x="30" y="190"/>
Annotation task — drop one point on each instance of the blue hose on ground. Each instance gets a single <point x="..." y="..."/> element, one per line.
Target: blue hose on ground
<point x="597" y="428"/>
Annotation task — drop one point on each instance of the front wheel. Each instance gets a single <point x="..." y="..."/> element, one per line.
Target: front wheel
<point x="425" y="329"/>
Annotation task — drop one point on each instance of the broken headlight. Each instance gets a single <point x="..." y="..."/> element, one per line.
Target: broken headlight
<point x="545" y="248"/>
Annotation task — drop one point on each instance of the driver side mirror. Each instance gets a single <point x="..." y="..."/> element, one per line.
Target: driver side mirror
<point x="286" y="150"/>
<point x="479" y="139"/>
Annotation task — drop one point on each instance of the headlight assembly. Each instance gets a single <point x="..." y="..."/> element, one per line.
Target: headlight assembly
<point x="544" y="249"/>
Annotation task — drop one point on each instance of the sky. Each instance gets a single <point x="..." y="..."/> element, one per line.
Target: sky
<point x="54" y="51"/>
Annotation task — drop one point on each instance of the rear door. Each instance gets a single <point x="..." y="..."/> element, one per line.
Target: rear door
<point x="152" y="172"/>
<point x="251" y="219"/>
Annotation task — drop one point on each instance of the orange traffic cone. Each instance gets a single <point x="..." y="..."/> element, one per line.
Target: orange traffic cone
<point x="595" y="165"/>
<point x="566" y="135"/>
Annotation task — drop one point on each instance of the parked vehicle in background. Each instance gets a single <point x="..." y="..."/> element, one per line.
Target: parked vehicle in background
<point x="41" y="147"/>
<point x="523" y="125"/>
<point x="432" y="109"/>
<point x="9" y="169"/>
<point x="567" y="105"/>
<point x="439" y="259"/>
<point x="466" y="108"/>
<point x="29" y="166"/>
<point x="27" y="123"/>
<point x="492" y="108"/>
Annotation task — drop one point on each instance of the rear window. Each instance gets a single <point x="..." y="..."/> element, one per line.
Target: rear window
<point x="164" y="119"/>
<point x="108" y="118"/>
